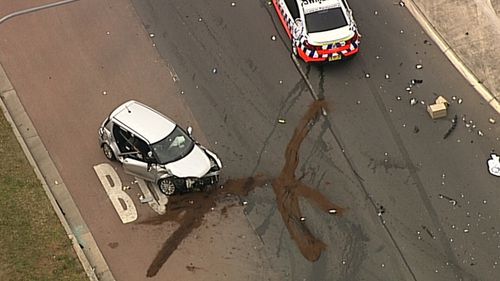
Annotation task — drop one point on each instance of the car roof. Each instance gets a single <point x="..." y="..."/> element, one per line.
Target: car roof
<point x="143" y="120"/>
<point x="311" y="6"/>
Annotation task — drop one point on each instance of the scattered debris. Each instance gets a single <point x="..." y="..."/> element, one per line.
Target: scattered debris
<point x="453" y="126"/>
<point x="442" y="100"/>
<point x="439" y="108"/>
<point x="451" y="200"/>
<point x="381" y="210"/>
<point x="413" y="101"/>
<point x="428" y="232"/>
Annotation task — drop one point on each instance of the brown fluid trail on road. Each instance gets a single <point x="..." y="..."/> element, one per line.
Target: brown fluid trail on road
<point x="288" y="190"/>
<point x="189" y="209"/>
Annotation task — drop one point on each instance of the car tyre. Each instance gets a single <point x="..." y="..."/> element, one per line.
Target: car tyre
<point x="108" y="152"/>
<point x="166" y="186"/>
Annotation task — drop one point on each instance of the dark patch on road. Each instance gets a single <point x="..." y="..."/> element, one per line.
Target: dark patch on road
<point x="288" y="190"/>
<point x="189" y="209"/>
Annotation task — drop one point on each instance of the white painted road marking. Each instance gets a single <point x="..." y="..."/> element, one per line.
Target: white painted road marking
<point x="105" y="173"/>
<point x="157" y="206"/>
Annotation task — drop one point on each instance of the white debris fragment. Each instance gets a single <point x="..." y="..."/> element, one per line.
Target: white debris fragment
<point x="233" y="4"/>
<point x="375" y="13"/>
<point x="408" y="89"/>
<point x="479" y="132"/>
<point x="382" y="265"/>
<point x="244" y="202"/>
<point x="281" y="81"/>
<point x="454" y="98"/>
<point x="151" y="35"/>
<point x="401" y="31"/>
<point x="214" y="70"/>
<point x="104" y="92"/>
<point x="460" y="101"/>
<point x="302" y="218"/>
<point x="56" y="182"/>
<point x="466" y="230"/>
<point x="182" y="92"/>
<point x="358" y="102"/>
<point x="484" y="201"/>
<point x="401" y="3"/>
<point x="422" y="102"/>
<point x="494" y="165"/>
<point x="492" y="121"/>
<point x="281" y="121"/>
<point x="273" y="37"/>
<point x="387" y="76"/>
<point x="332" y="211"/>
<point x="398" y="98"/>
<point x="418" y="66"/>
<point x="108" y="33"/>
<point x="413" y="101"/>
<point x="200" y="19"/>
<point x="367" y="75"/>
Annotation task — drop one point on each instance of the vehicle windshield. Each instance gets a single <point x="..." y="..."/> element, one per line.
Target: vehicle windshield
<point x="325" y="20"/>
<point x="174" y="147"/>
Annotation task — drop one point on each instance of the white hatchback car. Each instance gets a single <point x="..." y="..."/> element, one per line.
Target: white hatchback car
<point x="151" y="146"/>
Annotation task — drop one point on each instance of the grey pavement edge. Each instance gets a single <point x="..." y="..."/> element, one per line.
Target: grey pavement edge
<point x="81" y="238"/>
<point x="419" y="11"/>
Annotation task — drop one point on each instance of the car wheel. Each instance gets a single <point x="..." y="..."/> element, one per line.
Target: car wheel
<point x="166" y="186"/>
<point x="108" y="152"/>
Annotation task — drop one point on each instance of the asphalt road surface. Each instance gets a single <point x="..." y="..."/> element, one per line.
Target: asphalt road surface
<point x="418" y="206"/>
<point x="415" y="205"/>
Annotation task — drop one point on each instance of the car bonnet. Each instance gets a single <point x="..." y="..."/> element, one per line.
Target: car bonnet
<point x="196" y="164"/>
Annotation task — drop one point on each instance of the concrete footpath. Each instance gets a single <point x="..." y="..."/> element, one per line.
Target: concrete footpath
<point x="468" y="33"/>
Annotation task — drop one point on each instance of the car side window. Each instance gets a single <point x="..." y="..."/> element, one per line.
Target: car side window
<point x="122" y="138"/>
<point x="142" y="148"/>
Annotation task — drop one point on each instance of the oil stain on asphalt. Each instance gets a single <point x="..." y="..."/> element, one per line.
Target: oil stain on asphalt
<point x="189" y="210"/>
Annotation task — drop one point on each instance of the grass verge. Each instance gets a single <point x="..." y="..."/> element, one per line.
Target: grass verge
<point x="33" y="243"/>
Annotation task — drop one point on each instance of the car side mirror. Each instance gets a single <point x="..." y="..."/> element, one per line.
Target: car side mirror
<point x="190" y="130"/>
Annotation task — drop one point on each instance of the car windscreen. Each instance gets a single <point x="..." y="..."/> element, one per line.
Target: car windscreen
<point x="325" y="20"/>
<point x="174" y="147"/>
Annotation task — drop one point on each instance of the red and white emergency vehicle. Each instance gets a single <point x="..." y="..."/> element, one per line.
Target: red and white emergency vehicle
<point x="321" y="30"/>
